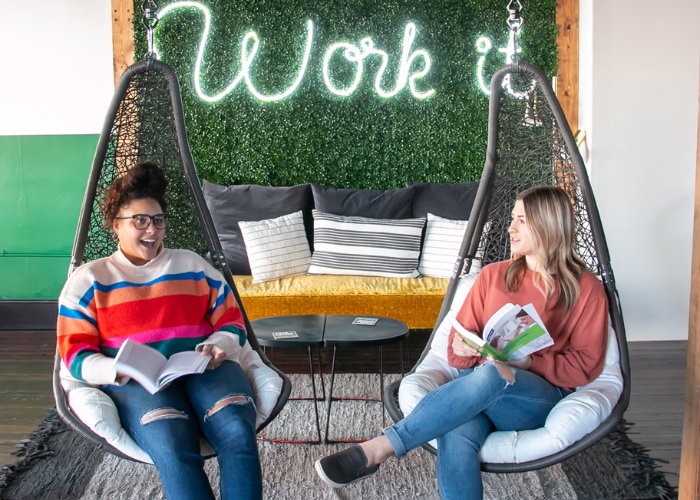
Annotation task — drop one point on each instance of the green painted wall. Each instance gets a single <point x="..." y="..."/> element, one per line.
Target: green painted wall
<point x="42" y="181"/>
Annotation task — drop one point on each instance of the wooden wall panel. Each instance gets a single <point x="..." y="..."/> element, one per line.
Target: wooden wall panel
<point x="568" y="46"/>
<point x="689" y="482"/>
<point x="122" y="36"/>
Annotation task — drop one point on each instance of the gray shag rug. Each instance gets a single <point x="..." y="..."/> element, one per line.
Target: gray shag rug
<point x="57" y="463"/>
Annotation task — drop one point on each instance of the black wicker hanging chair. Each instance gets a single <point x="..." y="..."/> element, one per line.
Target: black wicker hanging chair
<point x="145" y="122"/>
<point x="530" y="144"/>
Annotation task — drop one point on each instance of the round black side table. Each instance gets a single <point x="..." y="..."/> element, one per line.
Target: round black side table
<point x="361" y="331"/>
<point x="296" y="331"/>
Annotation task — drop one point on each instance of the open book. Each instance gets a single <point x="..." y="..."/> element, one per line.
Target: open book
<point x="152" y="369"/>
<point x="513" y="332"/>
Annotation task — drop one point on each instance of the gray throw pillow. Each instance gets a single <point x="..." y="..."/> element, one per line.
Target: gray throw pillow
<point x="451" y="201"/>
<point x="376" y="203"/>
<point x="248" y="202"/>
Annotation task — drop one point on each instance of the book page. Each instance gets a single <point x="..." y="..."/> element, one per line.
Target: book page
<point x="474" y="341"/>
<point x="528" y="336"/>
<point x="140" y="362"/>
<point x="501" y="324"/>
<point x="183" y="363"/>
<point x="471" y="337"/>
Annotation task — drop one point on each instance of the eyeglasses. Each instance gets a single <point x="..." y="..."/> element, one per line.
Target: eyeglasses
<point x="142" y="221"/>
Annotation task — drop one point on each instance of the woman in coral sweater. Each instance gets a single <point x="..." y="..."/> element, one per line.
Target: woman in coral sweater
<point x="487" y="395"/>
<point x="173" y="301"/>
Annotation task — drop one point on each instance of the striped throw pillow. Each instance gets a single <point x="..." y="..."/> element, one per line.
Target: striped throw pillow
<point x="276" y="248"/>
<point x="443" y="238"/>
<point x="364" y="246"/>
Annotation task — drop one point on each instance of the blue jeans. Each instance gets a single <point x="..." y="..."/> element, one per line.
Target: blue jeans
<point x="461" y="413"/>
<point x="167" y="425"/>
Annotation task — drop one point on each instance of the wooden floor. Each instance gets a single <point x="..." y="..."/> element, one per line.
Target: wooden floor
<point x="658" y="388"/>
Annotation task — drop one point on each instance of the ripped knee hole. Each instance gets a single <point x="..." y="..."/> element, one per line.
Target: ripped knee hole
<point x="162" y="413"/>
<point x="233" y="399"/>
<point x="506" y="372"/>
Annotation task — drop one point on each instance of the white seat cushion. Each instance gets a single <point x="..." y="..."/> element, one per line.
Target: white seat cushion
<point x="97" y="410"/>
<point x="571" y="419"/>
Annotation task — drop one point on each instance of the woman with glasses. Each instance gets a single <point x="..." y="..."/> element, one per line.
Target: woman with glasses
<point x="173" y="301"/>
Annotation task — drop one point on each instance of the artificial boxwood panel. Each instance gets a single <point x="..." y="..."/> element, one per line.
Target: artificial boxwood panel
<point x="361" y="140"/>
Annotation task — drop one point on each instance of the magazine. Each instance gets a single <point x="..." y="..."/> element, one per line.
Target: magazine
<point x="513" y="332"/>
<point x="152" y="369"/>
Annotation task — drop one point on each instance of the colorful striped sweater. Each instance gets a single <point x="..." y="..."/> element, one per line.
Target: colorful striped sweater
<point x="172" y="303"/>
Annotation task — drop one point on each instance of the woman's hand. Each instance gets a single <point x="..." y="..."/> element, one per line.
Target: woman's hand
<point x="217" y="355"/>
<point x="523" y="364"/>
<point x="462" y="349"/>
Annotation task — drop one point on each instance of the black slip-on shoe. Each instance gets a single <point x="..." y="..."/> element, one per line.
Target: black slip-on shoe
<point x="345" y="467"/>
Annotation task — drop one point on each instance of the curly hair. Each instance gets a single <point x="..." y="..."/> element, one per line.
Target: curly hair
<point x="143" y="180"/>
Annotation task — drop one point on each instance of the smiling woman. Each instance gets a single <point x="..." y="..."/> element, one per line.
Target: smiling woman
<point x="140" y="235"/>
<point x="133" y="207"/>
<point x="172" y="301"/>
<point x="483" y="395"/>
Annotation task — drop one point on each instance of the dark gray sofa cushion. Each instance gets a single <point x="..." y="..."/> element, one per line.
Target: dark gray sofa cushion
<point x="375" y="203"/>
<point x="451" y="201"/>
<point x="246" y="202"/>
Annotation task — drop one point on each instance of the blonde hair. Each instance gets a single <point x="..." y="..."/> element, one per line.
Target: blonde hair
<point x="550" y="218"/>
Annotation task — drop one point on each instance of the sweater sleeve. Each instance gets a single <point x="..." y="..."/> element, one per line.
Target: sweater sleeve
<point x="78" y="336"/>
<point x="224" y="315"/>
<point x="228" y="342"/>
<point x="459" y="362"/>
<point x="582" y="359"/>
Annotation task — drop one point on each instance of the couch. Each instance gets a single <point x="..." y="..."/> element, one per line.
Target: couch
<point x="312" y="249"/>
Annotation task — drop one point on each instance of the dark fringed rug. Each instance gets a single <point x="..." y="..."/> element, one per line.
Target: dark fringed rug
<point x="57" y="463"/>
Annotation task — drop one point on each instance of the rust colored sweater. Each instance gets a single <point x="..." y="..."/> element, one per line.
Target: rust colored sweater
<point x="580" y="339"/>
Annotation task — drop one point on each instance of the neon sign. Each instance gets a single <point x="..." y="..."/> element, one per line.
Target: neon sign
<point x="413" y="65"/>
<point x="483" y="46"/>
<point x="356" y="55"/>
<point x="247" y="56"/>
<point x="352" y="54"/>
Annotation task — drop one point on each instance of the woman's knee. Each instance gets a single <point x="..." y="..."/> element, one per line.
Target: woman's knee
<point x="496" y="374"/>
<point x="165" y="431"/>
<point x="239" y="402"/>
<point x="232" y="418"/>
<point x="157" y="415"/>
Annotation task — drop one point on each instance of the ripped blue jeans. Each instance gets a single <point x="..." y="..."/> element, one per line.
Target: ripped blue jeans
<point x="461" y="413"/>
<point x="167" y="425"/>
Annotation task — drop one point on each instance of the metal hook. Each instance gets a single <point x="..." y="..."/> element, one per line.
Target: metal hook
<point x="515" y="14"/>
<point x="150" y="21"/>
<point x="515" y="22"/>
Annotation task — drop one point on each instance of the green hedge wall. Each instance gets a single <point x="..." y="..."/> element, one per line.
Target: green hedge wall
<point x="361" y="140"/>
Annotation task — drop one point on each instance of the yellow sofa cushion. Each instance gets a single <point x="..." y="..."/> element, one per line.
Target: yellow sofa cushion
<point x="415" y="301"/>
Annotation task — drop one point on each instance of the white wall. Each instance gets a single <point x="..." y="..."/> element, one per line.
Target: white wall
<point x="639" y="93"/>
<point x="56" y="60"/>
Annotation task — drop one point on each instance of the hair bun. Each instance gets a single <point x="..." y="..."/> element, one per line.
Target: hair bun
<point x="146" y="177"/>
